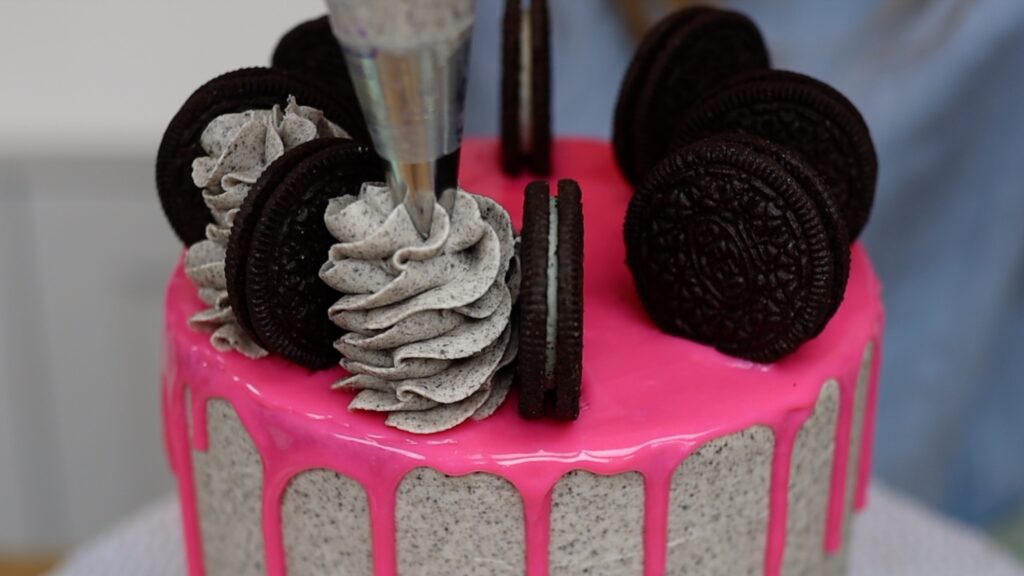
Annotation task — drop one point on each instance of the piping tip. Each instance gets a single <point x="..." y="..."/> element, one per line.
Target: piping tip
<point x="420" y="206"/>
<point x="420" y="186"/>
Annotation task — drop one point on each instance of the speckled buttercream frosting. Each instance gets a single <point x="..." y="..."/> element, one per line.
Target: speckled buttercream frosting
<point x="238" y="148"/>
<point x="429" y="321"/>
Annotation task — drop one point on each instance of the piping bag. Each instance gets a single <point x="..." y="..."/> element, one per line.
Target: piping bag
<point x="409" y="62"/>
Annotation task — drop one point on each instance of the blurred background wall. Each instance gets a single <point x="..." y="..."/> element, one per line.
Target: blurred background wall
<point x="86" y="90"/>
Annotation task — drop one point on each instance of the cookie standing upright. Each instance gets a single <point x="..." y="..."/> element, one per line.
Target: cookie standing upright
<point x="282" y="241"/>
<point x="237" y="91"/>
<point x="805" y="115"/>
<point x="551" y="302"/>
<point x="813" y="185"/>
<point x="681" y="60"/>
<point x="727" y="249"/>
<point x="238" y="250"/>
<point x="526" y="88"/>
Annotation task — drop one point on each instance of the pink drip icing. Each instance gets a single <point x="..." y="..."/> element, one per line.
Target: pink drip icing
<point x="657" y="484"/>
<point x="778" y="506"/>
<point x="382" y="518"/>
<point x="536" y="506"/>
<point x="649" y="399"/>
<point x="176" y="421"/>
<point x="273" y="537"/>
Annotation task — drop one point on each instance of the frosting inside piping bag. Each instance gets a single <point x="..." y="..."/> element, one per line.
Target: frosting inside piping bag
<point x="239" y="147"/>
<point x="430" y="333"/>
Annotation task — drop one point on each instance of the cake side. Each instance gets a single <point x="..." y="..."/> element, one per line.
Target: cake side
<point x="718" y="506"/>
<point x="647" y="409"/>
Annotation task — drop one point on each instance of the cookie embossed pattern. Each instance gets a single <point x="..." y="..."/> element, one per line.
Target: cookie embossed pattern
<point x="742" y="447"/>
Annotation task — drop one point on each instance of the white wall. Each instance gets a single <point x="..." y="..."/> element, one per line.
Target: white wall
<point x="86" y="89"/>
<point x="104" y="76"/>
<point x="13" y="210"/>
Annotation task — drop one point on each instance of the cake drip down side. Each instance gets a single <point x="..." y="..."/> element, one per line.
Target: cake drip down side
<point x="321" y="521"/>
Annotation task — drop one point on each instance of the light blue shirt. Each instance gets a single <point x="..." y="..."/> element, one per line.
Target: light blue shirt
<point x="941" y="85"/>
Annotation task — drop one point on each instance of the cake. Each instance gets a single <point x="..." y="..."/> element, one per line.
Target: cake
<point x="675" y="459"/>
<point x="740" y="466"/>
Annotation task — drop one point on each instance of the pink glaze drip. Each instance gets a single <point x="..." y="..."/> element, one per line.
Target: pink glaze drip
<point x="657" y="484"/>
<point x="785" y="433"/>
<point x="649" y="399"/>
<point x="179" y="451"/>
<point x="536" y="511"/>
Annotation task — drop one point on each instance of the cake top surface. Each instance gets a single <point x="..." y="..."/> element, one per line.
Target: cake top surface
<point x="642" y="388"/>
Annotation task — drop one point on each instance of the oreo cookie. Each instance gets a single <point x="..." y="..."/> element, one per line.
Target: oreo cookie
<point x="526" y="88"/>
<point x="806" y="116"/>
<point x="728" y="248"/>
<point x="238" y="91"/>
<point x="685" y="57"/>
<point x="814" y="186"/>
<point x="278" y="244"/>
<point x="312" y="51"/>
<point x="549" y="369"/>
<point x="242" y="230"/>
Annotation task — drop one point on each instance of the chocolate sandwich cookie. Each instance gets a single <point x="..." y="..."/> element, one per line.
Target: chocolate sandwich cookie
<point x="526" y="88"/>
<point x="236" y="257"/>
<point x="311" y="50"/>
<point x="806" y="116"/>
<point x="549" y="370"/>
<point x="238" y="91"/>
<point x="278" y="243"/>
<point x="686" y="56"/>
<point x="729" y="249"/>
<point x="814" y="187"/>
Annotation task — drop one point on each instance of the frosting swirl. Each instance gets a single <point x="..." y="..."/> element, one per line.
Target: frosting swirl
<point x="429" y="321"/>
<point x="238" y="148"/>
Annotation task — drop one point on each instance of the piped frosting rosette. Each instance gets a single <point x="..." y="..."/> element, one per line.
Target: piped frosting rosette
<point x="429" y="322"/>
<point x="239" y="147"/>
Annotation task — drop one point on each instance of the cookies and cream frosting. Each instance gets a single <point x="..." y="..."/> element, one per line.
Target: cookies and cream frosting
<point x="429" y="322"/>
<point x="238" y="148"/>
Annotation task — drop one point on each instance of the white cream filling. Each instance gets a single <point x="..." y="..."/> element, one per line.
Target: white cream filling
<point x="552" y="289"/>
